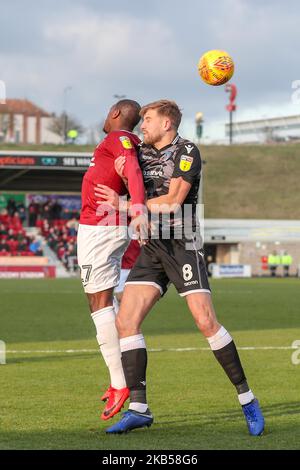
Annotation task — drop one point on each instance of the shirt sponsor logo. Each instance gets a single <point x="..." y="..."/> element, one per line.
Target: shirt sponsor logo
<point x="153" y="173"/>
<point x="185" y="163"/>
<point x="146" y="157"/>
<point x="190" y="283"/>
<point x="126" y="142"/>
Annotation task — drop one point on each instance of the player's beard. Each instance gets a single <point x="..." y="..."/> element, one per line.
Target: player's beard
<point x="153" y="138"/>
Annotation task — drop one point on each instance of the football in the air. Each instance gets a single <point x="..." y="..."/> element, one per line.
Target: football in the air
<point x="216" y="67"/>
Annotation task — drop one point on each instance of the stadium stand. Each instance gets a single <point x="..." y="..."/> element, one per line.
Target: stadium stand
<point x="13" y="238"/>
<point x="59" y="228"/>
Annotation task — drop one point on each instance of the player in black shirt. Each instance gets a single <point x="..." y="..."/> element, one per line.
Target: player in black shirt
<point x="171" y="167"/>
<point x="171" y="179"/>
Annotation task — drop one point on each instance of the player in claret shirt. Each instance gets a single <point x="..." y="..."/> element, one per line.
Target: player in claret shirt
<point x="102" y="237"/>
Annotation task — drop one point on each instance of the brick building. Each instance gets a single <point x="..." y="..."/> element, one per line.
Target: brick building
<point x="21" y="121"/>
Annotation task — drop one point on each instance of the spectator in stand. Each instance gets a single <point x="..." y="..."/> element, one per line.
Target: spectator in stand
<point x="22" y="212"/>
<point x="60" y="250"/>
<point x="76" y="215"/>
<point x="3" y="230"/>
<point x="56" y="210"/>
<point x="4" y="217"/>
<point x="52" y="239"/>
<point x="72" y="225"/>
<point x="11" y="234"/>
<point x="66" y="214"/>
<point x="43" y="225"/>
<point x="23" y="245"/>
<point x="11" y="206"/>
<point x="33" y="213"/>
<point x="35" y="247"/>
<point x="13" y="245"/>
<point x="46" y="214"/>
<point x="18" y="235"/>
<point x="15" y="221"/>
<point x="4" y="246"/>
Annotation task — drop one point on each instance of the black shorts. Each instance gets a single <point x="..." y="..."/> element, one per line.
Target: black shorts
<point x="163" y="261"/>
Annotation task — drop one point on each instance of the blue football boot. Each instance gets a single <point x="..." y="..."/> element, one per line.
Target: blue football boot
<point x="131" y="420"/>
<point x="254" y="418"/>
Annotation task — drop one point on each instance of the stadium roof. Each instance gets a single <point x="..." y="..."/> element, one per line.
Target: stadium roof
<point x="42" y="171"/>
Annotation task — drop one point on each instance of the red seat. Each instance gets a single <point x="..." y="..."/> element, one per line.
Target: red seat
<point x="39" y="224"/>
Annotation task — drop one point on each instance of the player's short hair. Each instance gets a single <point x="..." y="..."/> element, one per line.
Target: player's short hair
<point x="166" y="108"/>
<point x="130" y="111"/>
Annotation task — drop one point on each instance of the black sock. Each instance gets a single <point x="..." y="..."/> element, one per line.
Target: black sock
<point x="134" y="364"/>
<point x="229" y="359"/>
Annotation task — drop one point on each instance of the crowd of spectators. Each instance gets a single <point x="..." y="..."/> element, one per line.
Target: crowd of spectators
<point x="56" y="223"/>
<point x="13" y="238"/>
<point x="51" y="211"/>
<point x="14" y="206"/>
<point x="59" y="227"/>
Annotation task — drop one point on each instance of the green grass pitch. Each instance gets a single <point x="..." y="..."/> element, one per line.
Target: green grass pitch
<point x="50" y="387"/>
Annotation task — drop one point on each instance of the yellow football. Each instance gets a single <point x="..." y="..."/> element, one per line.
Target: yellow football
<point x="216" y="67"/>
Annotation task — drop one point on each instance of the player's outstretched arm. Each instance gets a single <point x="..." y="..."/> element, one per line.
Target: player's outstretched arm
<point x="123" y="146"/>
<point x="133" y="174"/>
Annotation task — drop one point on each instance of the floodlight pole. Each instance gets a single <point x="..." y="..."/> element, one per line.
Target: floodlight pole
<point x="230" y="127"/>
<point x="231" y="88"/>
<point x="65" y="116"/>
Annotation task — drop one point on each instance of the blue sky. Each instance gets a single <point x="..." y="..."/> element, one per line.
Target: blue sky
<point x="150" y="50"/>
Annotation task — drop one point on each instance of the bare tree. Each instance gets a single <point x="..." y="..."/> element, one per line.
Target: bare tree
<point x="63" y="123"/>
<point x="95" y="133"/>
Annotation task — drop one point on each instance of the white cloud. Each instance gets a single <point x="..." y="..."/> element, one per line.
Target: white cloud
<point x="113" y="44"/>
<point x="98" y="55"/>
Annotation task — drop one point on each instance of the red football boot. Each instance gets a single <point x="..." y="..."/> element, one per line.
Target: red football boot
<point x="115" y="402"/>
<point x="106" y="395"/>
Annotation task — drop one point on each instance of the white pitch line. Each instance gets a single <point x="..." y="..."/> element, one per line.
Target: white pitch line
<point x="75" y="351"/>
<point x="41" y="292"/>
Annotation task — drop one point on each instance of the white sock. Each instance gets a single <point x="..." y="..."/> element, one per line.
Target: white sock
<point x="132" y="342"/>
<point x="220" y="339"/>
<point x="139" y="407"/>
<point x="245" y="398"/>
<point x="108" y="340"/>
